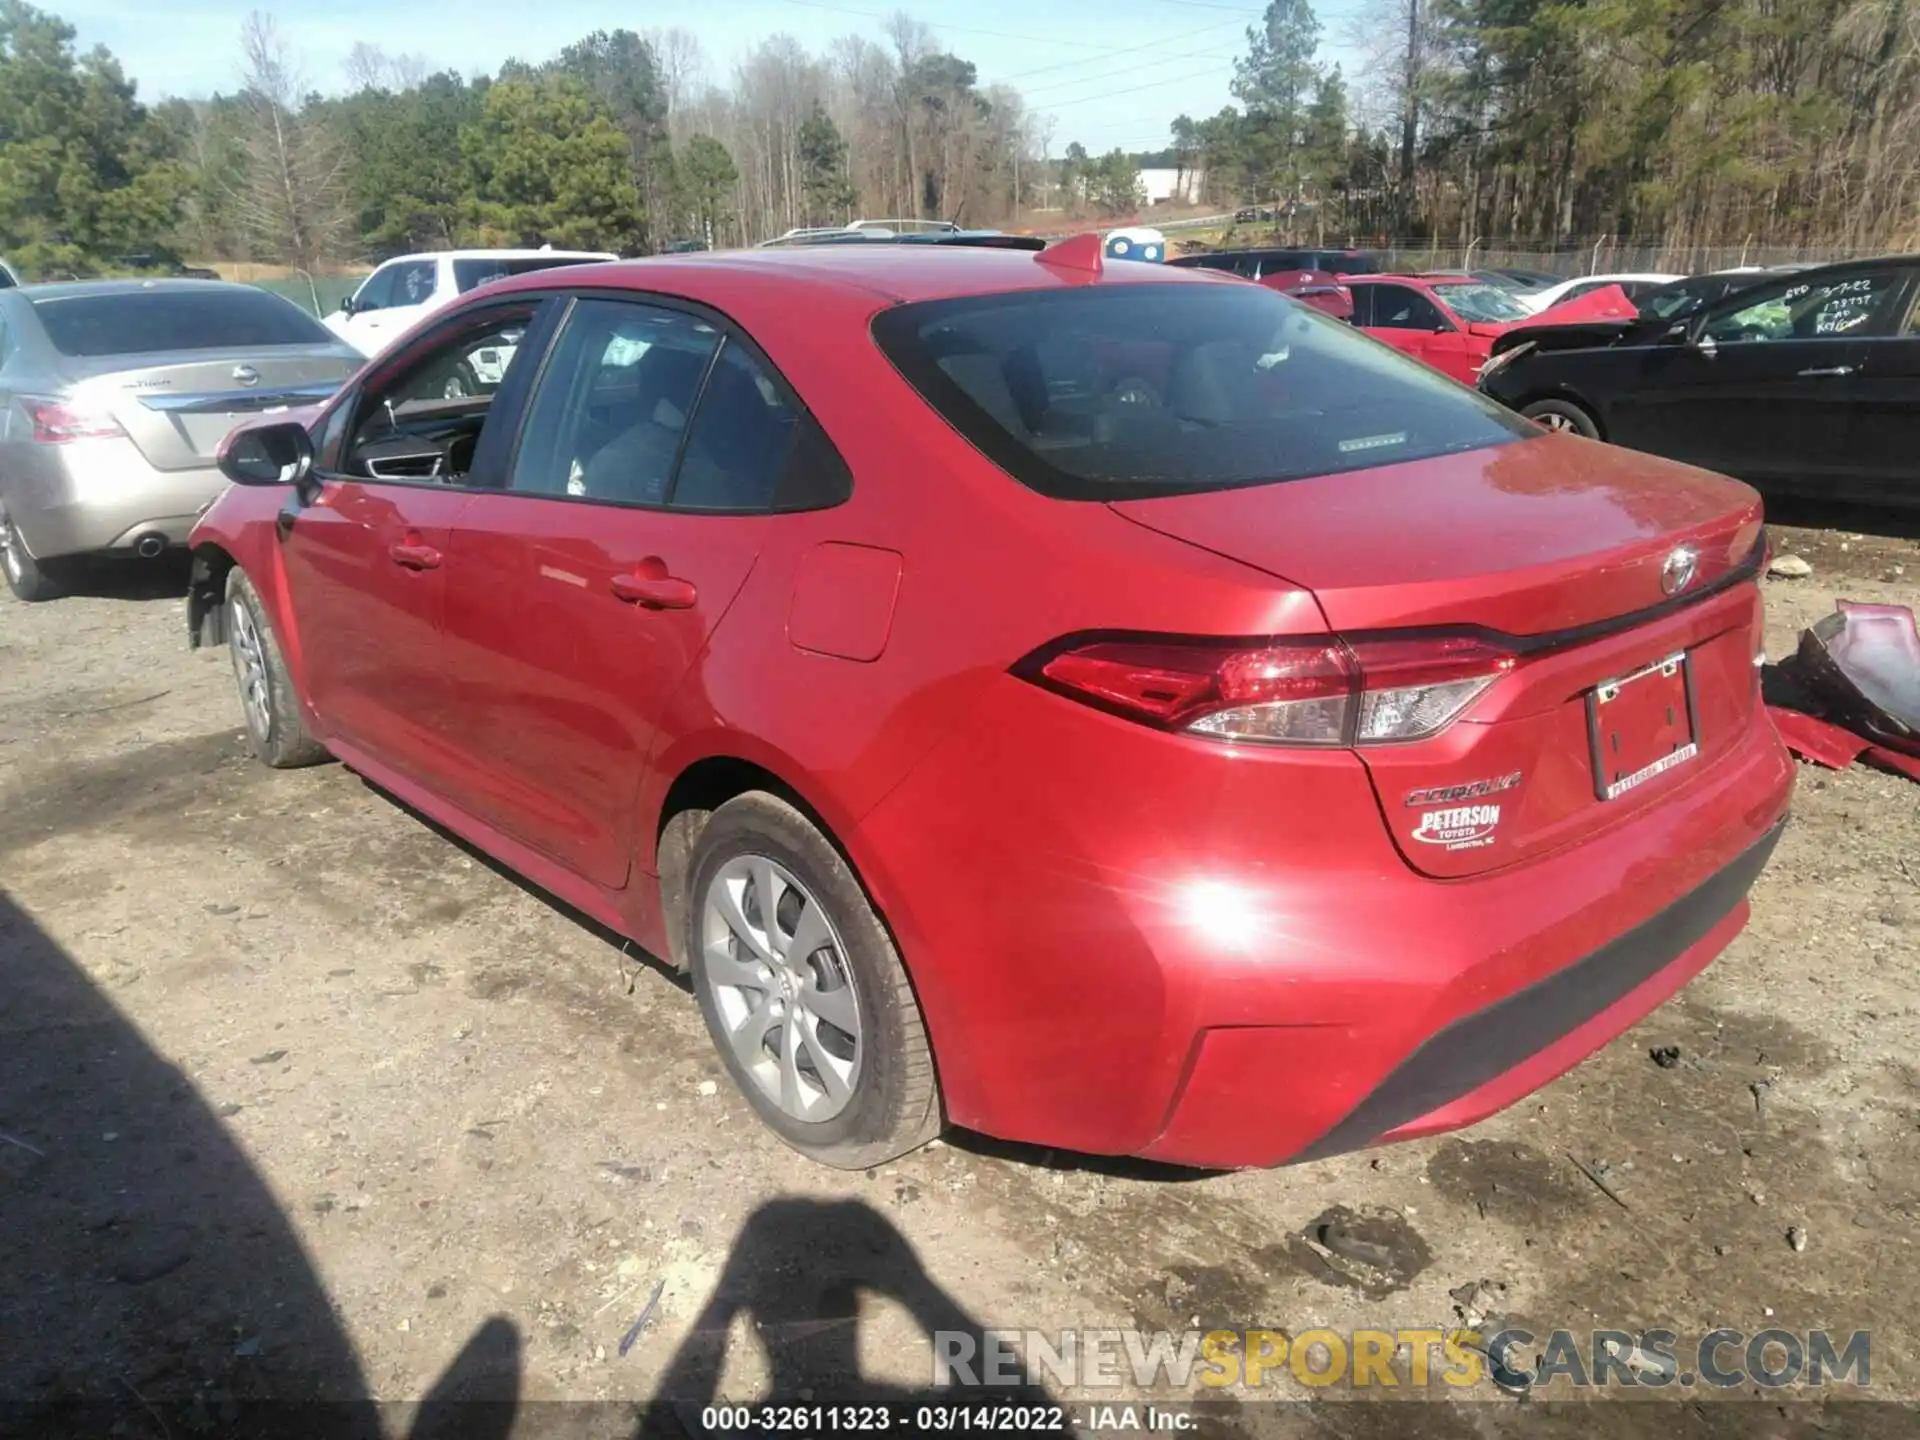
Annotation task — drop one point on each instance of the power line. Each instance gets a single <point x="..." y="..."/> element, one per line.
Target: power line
<point x="1153" y="85"/>
<point x="1128" y="70"/>
<point x="1130" y="50"/>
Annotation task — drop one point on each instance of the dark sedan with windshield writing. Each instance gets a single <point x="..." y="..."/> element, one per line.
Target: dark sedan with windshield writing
<point x="1805" y="383"/>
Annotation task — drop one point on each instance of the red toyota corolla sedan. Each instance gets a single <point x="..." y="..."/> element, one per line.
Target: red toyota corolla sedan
<point x="1120" y="710"/>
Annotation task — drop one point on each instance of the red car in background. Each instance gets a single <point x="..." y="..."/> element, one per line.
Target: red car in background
<point x="1452" y="321"/>
<point x="1449" y="321"/>
<point x="1101" y="705"/>
<point x="1325" y="292"/>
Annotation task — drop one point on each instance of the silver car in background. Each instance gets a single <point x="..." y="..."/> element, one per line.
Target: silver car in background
<point x="115" y="396"/>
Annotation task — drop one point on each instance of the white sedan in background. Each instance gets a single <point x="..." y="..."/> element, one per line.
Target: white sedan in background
<point x="1636" y="286"/>
<point x="403" y="290"/>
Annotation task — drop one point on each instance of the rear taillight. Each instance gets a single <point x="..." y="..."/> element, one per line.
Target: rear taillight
<point x="1319" y="691"/>
<point x="56" y="422"/>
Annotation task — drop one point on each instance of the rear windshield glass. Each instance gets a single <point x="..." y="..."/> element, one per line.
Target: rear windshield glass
<point x="1343" y="264"/>
<point x="138" y="322"/>
<point x="470" y="274"/>
<point x="1486" y="304"/>
<point x="1122" y="391"/>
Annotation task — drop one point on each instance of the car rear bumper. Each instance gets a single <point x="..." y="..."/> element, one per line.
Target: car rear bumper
<point x="96" y="495"/>
<point x="1488" y="1059"/>
<point x="1129" y="943"/>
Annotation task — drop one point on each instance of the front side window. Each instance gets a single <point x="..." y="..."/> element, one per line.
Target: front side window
<point x="1680" y="298"/>
<point x="1846" y="307"/>
<point x="424" y="422"/>
<point x="613" y="403"/>
<point x="1119" y="392"/>
<point x="1395" y="307"/>
<point x="376" y="291"/>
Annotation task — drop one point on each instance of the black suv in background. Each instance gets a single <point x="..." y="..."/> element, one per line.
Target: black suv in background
<point x="1252" y="264"/>
<point x="1805" y="383"/>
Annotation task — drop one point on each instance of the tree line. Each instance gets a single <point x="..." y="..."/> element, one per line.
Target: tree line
<point x="1517" y="122"/>
<point x="615" y="143"/>
<point x="1535" y="123"/>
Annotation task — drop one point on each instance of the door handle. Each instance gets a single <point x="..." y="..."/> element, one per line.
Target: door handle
<point x="655" y="592"/>
<point x="414" y="556"/>
<point x="1822" y="371"/>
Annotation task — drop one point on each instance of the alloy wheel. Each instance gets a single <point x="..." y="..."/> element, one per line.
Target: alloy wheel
<point x="250" y="669"/>
<point x="1553" y="420"/>
<point x="778" y="975"/>
<point x="10" y="552"/>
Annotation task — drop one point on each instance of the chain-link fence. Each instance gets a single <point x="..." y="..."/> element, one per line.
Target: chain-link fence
<point x="1607" y="257"/>
<point x="318" y="295"/>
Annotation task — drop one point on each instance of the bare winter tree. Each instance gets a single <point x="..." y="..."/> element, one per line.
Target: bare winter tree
<point x="289" y="202"/>
<point x="682" y="64"/>
<point x="368" y="67"/>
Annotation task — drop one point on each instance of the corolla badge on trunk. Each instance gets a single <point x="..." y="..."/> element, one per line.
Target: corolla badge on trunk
<point x="1471" y="790"/>
<point x="1679" y="569"/>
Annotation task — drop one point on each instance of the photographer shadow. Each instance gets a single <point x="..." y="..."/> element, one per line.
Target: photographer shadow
<point x="151" y="1285"/>
<point x="798" y="1271"/>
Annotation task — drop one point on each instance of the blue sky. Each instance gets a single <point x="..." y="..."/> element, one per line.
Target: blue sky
<point x="1111" y="74"/>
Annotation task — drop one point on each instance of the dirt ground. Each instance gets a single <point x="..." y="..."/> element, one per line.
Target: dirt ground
<point x="298" y="1096"/>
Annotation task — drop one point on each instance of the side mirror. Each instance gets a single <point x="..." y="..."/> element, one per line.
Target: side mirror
<point x="349" y="305"/>
<point x="276" y="454"/>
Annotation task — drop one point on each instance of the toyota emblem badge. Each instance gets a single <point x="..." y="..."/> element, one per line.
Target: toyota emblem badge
<point x="1677" y="574"/>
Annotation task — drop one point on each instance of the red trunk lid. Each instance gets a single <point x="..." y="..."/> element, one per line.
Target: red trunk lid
<point x="1553" y="540"/>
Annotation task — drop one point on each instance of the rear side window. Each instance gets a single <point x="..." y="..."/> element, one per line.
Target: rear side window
<point x="741" y="437"/>
<point x="471" y="274"/>
<point x="137" y="322"/>
<point x="1123" y="391"/>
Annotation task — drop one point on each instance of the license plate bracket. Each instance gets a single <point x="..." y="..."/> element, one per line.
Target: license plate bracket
<point x="1641" y="725"/>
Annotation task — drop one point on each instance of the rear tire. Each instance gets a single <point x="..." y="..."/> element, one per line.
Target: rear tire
<point x="1564" y="417"/>
<point x="29" y="579"/>
<point x="268" y="701"/>
<point x="805" y="998"/>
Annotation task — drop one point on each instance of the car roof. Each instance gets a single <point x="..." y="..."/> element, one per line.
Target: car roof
<point x="893" y="273"/>
<point x="1279" y="250"/>
<point x="78" y="289"/>
<point x="501" y="255"/>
